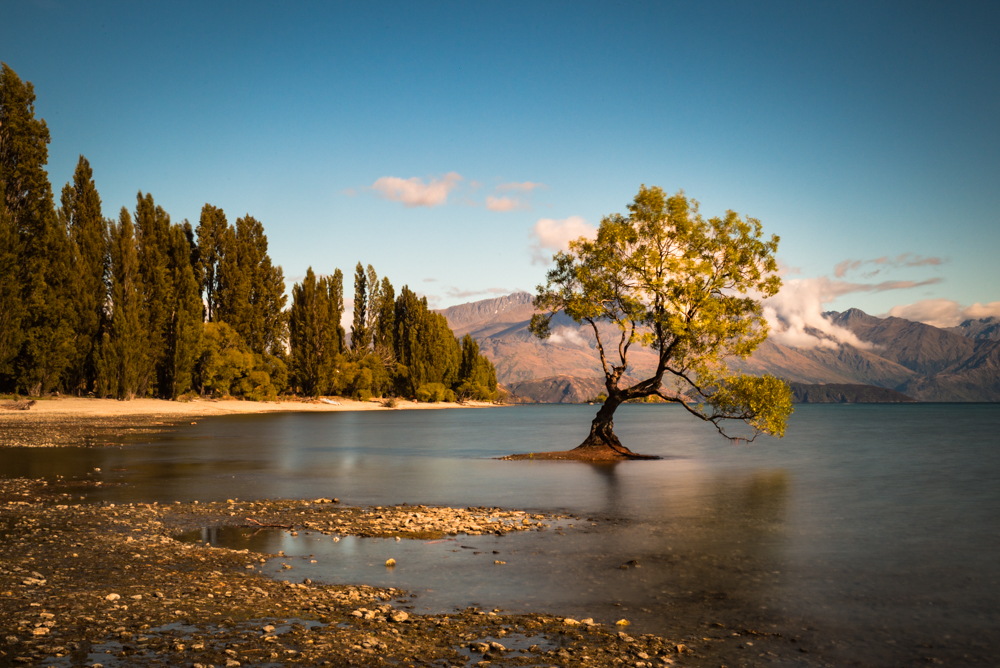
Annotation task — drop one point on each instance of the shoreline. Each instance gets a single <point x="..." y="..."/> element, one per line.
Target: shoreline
<point x="89" y="582"/>
<point x="88" y="422"/>
<point x="90" y="407"/>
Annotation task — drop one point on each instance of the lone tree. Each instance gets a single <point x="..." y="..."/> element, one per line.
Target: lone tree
<point x="688" y="288"/>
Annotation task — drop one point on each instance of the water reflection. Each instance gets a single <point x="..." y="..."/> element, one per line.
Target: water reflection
<point x="712" y="561"/>
<point x="869" y="523"/>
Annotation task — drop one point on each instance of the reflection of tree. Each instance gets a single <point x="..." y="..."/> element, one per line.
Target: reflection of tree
<point x="766" y="494"/>
<point x="605" y="472"/>
<point x="712" y="553"/>
<point x="263" y="541"/>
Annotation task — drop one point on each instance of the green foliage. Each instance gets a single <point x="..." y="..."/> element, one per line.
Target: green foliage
<point x="367" y="374"/>
<point x="477" y="378"/>
<point x="256" y="386"/>
<point x="425" y="345"/>
<point x="688" y="288"/>
<point x="23" y="193"/>
<point x="152" y="225"/>
<point x="212" y="227"/>
<point x="385" y="319"/>
<point x="36" y="313"/>
<point x="88" y="234"/>
<point x="11" y="310"/>
<point x="117" y="306"/>
<point x="251" y="291"/>
<point x="359" y="334"/>
<point x="763" y="402"/>
<point x="123" y="359"/>
<point x="434" y="392"/>
<point x="315" y="334"/>
<point x="184" y="328"/>
<point x="277" y="370"/>
<point x="227" y="367"/>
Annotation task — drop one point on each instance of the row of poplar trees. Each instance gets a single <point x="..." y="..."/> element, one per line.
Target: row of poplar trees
<point x="140" y="306"/>
<point x="398" y="346"/>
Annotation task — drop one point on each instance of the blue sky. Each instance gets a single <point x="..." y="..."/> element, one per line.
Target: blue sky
<point x="377" y="132"/>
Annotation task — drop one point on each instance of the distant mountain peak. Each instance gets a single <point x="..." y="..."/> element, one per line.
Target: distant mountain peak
<point x="510" y="308"/>
<point x="979" y="328"/>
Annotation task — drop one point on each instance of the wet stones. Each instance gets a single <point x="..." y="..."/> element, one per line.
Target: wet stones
<point x="186" y="604"/>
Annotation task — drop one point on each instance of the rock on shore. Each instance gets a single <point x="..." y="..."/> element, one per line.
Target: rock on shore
<point x="87" y="584"/>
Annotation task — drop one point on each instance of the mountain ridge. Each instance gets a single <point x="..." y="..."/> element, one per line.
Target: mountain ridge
<point x="921" y="361"/>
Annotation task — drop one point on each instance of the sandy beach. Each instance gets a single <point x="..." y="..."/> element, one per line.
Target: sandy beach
<point x="61" y="421"/>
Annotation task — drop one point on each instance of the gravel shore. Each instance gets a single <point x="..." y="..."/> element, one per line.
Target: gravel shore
<point x="91" y="584"/>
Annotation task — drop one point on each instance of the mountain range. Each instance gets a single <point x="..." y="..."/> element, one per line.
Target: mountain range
<point x="918" y="360"/>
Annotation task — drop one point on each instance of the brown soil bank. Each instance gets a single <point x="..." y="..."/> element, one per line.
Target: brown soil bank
<point x="89" y="585"/>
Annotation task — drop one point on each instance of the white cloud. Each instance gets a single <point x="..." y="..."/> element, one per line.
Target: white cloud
<point x="795" y="314"/>
<point x="885" y="263"/>
<point x="552" y="236"/>
<point x="504" y="203"/>
<point x="944" y="312"/>
<point x="414" y="192"/>
<point x="567" y="336"/>
<point x="784" y="269"/>
<point x="526" y="186"/>
<point x="798" y="308"/>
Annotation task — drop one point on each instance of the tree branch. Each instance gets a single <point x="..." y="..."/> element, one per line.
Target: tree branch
<point x="600" y="347"/>
<point x="714" y="419"/>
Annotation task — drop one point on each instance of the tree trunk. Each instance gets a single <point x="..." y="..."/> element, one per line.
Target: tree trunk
<point x="602" y="433"/>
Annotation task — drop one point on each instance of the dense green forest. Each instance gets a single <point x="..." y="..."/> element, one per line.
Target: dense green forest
<point x="143" y="307"/>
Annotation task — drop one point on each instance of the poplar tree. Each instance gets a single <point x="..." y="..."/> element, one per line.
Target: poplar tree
<point x="10" y="301"/>
<point x="153" y="233"/>
<point x="335" y="288"/>
<point x="425" y="346"/>
<point x="22" y="153"/>
<point x="372" y="307"/>
<point x="88" y="234"/>
<point x="212" y="227"/>
<point x="35" y="315"/>
<point x="49" y="315"/>
<point x="123" y="361"/>
<point x="251" y="291"/>
<point x="359" y="336"/>
<point x="385" y="320"/>
<point x="406" y="318"/>
<point x="184" y="328"/>
<point x="315" y="333"/>
<point x="477" y="377"/>
<point x="332" y="287"/>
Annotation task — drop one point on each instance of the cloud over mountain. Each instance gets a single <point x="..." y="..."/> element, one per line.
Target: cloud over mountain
<point x="944" y="312"/>
<point x="795" y="314"/>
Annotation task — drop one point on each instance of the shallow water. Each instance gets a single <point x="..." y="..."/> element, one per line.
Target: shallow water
<point x="871" y="532"/>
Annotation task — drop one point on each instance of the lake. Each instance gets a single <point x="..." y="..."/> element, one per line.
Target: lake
<point x="869" y="535"/>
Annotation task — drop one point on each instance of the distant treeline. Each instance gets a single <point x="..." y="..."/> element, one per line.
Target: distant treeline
<point x="140" y="306"/>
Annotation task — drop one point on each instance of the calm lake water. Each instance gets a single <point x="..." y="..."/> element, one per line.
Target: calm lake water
<point x="868" y="536"/>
